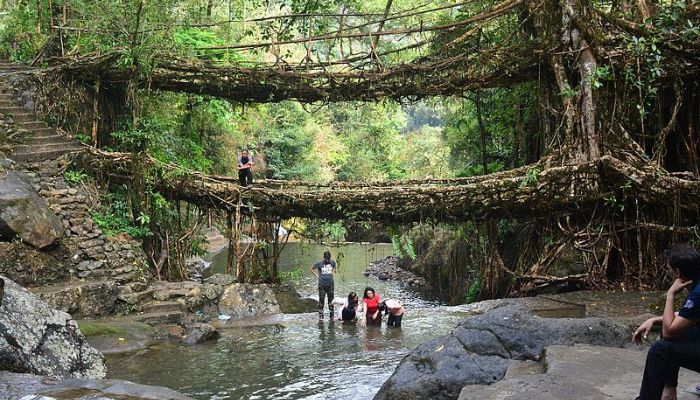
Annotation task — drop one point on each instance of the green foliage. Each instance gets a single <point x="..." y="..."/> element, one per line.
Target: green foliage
<point x="599" y="75"/>
<point x="83" y="138"/>
<point x="401" y="243"/>
<point x="187" y="40"/>
<point x="530" y="176"/>
<point x="473" y="290"/>
<point x="643" y="75"/>
<point x="73" y="178"/>
<point x="569" y="93"/>
<point x="19" y="39"/>
<point x="321" y="231"/>
<point x="505" y="112"/>
<point x="115" y="218"/>
<point x="293" y="275"/>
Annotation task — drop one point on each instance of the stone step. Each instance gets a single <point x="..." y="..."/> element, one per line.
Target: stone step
<point x="27" y="148"/>
<point x="56" y="138"/>
<point x="24" y="117"/>
<point x="137" y="297"/>
<point x="6" y="101"/>
<point x="32" y="125"/>
<point x="11" y="109"/>
<point x="161" y="318"/>
<point x="44" y="131"/>
<point x="161" y="306"/>
<point x="44" y="155"/>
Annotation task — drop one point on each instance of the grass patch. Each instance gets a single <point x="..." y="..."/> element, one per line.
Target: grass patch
<point x="95" y="328"/>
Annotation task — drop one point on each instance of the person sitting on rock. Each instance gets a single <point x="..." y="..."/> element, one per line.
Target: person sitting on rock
<point x="395" y="310"/>
<point x="372" y="301"/>
<point x="679" y="345"/>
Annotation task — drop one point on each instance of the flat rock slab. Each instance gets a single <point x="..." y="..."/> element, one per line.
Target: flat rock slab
<point x="27" y="386"/>
<point x="579" y="372"/>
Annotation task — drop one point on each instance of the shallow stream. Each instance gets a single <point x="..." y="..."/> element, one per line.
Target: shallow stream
<point x="297" y="356"/>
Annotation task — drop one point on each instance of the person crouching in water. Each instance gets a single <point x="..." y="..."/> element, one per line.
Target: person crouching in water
<point x="395" y="310"/>
<point x="352" y="310"/>
<point x="372" y="300"/>
<point x="679" y="345"/>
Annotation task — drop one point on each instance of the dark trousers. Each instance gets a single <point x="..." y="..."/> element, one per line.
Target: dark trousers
<point x="324" y="292"/>
<point x="245" y="176"/>
<point x="664" y="359"/>
<point x="394" y="320"/>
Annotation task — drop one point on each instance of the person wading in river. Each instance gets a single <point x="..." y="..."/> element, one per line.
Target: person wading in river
<point x="372" y="300"/>
<point x="326" y="269"/>
<point x="245" y="163"/>
<point x="679" y="345"/>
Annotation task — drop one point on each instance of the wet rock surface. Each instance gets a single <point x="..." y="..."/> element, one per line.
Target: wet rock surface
<point x="388" y="269"/>
<point x="482" y="348"/>
<point x="37" y="339"/>
<point x="26" y="386"/>
<point x="199" y="332"/>
<point x="290" y="302"/>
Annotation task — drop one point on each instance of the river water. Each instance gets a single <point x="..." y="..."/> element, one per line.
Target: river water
<point x="297" y="356"/>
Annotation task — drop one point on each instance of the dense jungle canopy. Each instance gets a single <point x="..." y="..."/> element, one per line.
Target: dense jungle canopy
<point x="369" y="91"/>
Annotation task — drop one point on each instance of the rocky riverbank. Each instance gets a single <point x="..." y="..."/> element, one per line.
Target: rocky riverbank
<point x="43" y="354"/>
<point x="575" y="345"/>
<point x="388" y="269"/>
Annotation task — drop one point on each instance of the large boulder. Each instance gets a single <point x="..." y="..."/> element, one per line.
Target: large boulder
<point x="39" y="340"/>
<point x="248" y="300"/>
<point x="26" y="215"/>
<point x="81" y="299"/>
<point x="291" y="302"/>
<point x="28" y="267"/>
<point x="481" y="348"/>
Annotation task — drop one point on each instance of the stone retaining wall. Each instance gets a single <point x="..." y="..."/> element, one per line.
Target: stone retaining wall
<point x="93" y="255"/>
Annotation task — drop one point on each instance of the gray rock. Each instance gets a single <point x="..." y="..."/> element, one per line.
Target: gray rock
<point x="36" y="339"/>
<point x="199" y="332"/>
<point x="291" y="302"/>
<point x="26" y="215"/>
<point x="578" y="372"/>
<point x="16" y="386"/>
<point x="247" y="300"/>
<point x="481" y="348"/>
<point x="221" y="279"/>
<point x="81" y="299"/>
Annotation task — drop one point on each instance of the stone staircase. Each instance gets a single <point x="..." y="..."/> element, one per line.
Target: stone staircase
<point x="37" y="141"/>
<point x="43" y="154"/>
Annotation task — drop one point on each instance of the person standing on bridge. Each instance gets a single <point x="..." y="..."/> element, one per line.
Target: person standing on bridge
<point x="245" y="163"/>
<point x="326" y="270"/>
